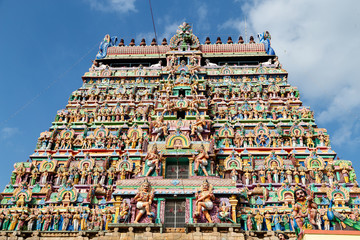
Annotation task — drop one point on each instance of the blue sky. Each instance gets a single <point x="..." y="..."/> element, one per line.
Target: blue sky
<point x="46" y="46"/>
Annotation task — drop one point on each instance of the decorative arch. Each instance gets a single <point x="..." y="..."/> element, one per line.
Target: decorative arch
<point x="262" y="70"/>
<point x="134" y="133"/>
<point x="177" y="138"/>
<point x="48" y="165"/>
<point x="226" y="70"/>
<point x="297" y="131"/>
<point x="285" y="194"/>
<point x="67" y="133"/>
<point x="314" y="162"/>
<point x="233" y="162"/>
<point x="101" y="132"/>
<point x="72" y="192"/>
<point x="226" y="131"/>
<point x="184" y="37"/>
<point x="127" y="164"/>
<point x="337" y="193"/>
<point x="273" y="161"/>
<point x="90" y="162"/>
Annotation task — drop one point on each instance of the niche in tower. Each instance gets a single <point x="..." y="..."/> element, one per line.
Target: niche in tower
<point x="181" y="114"/>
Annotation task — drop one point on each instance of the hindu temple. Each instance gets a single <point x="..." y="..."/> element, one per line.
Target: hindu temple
<point x="182" y="140"/>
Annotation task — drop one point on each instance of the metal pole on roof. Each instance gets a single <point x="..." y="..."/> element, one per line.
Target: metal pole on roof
<point x="245" y="31"/>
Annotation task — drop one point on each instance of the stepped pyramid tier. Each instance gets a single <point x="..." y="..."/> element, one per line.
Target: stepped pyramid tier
<point x="183" y="135"/>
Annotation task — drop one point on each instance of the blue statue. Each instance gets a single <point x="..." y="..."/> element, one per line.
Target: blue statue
<point x="265" y="38"/>
<point x="108" y="42"/>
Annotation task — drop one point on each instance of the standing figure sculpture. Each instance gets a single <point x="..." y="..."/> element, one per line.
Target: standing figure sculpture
<point x="201" y="160"/>
<point x="143" y="200"/>
<point x="159" y="128"/>
<point x="153" y="160"/>
<point x="204" y="201"/>
<point x="198" y="127"/>
<point x="304" y="212"/>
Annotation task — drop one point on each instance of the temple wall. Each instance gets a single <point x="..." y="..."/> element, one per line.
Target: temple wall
<point x="197" y="235"/>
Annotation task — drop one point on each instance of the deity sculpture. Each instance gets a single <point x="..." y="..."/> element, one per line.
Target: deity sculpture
<point x="224" y="212"/>
<point x="198" y="127"/>
<point x="259" y="218"/>
<point x="124" y="210"/>
<point x="304" y="211"/>
<point x="201" y="160"/>
<point x="159" y="128"/>
<point x="153" y="160"/>
<point x="204" y="201"/>
<point x="143" y="200"/>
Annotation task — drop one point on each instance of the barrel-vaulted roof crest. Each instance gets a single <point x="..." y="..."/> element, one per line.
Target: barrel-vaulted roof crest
<point x="184" y="39"/>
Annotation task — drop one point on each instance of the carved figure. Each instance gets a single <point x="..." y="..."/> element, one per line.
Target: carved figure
<point x="201" y="160"/>
<point x="153" y="160"/>
<point x="204" y="201"/>
<point x="304" y="211"/>
<point x="143" y="200"/>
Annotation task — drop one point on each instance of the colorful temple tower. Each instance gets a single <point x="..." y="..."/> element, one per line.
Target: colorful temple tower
<point x="203" y="140"/>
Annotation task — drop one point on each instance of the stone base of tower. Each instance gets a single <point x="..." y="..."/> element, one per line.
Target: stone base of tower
<point x="331" y="235"/>
<point x="141" y="233"/>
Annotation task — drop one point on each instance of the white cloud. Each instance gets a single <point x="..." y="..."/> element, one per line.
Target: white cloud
<point x="318" y="43"/>
<point x="121" y="6"/>
<point x="8" y="132"/>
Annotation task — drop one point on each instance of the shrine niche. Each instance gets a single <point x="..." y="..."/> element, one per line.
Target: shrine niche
<point x="262" y="136"/>
<point x="141" y="71"/>
<point x="273" y="161"/>
<point x="67" y="133"/>
<point x="314" y="162"/>
<point x="339" y="196"/>
<point x="233" y="161"/>
<point x="125" y="164"/>
<point x="22" y="195"/>
<point x="226" y="70"/>
<point x="67" y="194"/>
<point x="286" y="195"/>
<point x="101" y="132"/>
<point x="297" y="131"/>
<point x="177" y="141"/>
<point x="48" y="165"/>
<point x="86" y="163"/>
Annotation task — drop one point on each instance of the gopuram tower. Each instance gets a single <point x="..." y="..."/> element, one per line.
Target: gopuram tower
<point x="182" y="139"/>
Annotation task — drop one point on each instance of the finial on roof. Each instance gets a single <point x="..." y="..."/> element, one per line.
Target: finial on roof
<point x="121" y="43"/>
<point x="229" y="41"/>
<point x="132" y="43"/>
<point x="218" y="40"/>
<point x="241" y="40"/>
<point x="252" y="39"/>
<point x="153" y="43"/>
<point x="143" y="43"/>
<point x="207" y="41"/>
<point x="164" y="42"/>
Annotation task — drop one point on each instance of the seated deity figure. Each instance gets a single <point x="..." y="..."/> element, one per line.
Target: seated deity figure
<point x="204" y="201"/>
<point x="224" y="212"/>
<point x="304" y="211"/>
<point x="143" y="200"/>
<point x="198" y="127"/>
<point x="124" y="210"/>
<point x="153" y="158"/>
<point x="234" y="175"/>
<point x="201" y="160"/>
